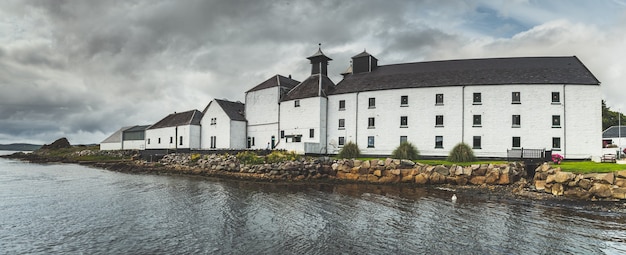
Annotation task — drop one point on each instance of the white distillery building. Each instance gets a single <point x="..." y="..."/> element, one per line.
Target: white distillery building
<point x="126" y="138"/>
<point x="494" y="105"/>
<point x="175" y="131"/>
<point x="223" y="125"/>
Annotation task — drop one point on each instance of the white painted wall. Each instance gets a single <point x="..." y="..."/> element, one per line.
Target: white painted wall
<point x="237" y="134"/>
<point x="262" y="108"/>
<point x="190" y="137"/>
<point x="229" y="134"/>
<point x="110" y="146"/>
<point x="311" y="114"/>
<point x="134" y="145"/>
<point x="583" y="121"/>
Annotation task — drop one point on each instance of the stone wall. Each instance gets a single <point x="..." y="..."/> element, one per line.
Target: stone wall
<point x="550" y="179"/>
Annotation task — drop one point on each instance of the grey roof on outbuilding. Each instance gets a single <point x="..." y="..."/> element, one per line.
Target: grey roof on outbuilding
<point x="117" y="136"/>
<point x="192" y="117"/>
<point x="274" y="81"/>
<point x="234" y="110"/>
<point x="310" y="88"/>
<point x="137" y="128"/>
<point x="614" y="132"/>
<point x="490" y="71"/>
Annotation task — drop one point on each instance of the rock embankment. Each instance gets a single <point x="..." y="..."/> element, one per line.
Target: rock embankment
<point x="550" y="179"/>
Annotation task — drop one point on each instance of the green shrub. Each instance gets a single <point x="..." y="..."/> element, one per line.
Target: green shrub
<point x="249" y="158"/>
<point x="281" y="156"/>
<point x="195" y="157"/>
<point x="461" y="153"/>
<point x="406" y="150"/>
<point x="349" y="150"/>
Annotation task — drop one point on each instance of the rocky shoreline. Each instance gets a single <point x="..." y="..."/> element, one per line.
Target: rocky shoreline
<point x="502" y="180"/>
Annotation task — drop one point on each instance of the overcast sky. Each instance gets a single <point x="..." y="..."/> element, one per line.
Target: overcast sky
<point x="83" y="69"/>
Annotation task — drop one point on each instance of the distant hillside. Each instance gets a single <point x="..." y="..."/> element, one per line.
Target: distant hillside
<point x="19" y="147"/>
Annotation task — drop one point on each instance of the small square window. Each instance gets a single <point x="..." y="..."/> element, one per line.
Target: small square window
<point x="296" y="103"/>
<point x="370" y="123"/>
<point x="556" y="97"/>
<point x="516" y="98"/>
<point x="372" y="102"/>
<point x="516" y="142"/>
<point x="342" y="140"/>
<point x="342" y="123"/>
<point x="403" y="139"/>
<point x="404" y="100"/>
<point x="311" y="133"/>
<point x="439" y="99"/>
<point x="477" y="142"/>
<point x="438" y="142"/>
<point x="556" y="143"/>
<point x="404" y="122"/>
<point x="370" y="142"/>
<point x="477" y="120"/>
<point x="556" y="121"/>
<point x="342" y="105"/>
<point x="477" y="98"/>
<point x="439" y="121"/>
<point x="516" y="121"/>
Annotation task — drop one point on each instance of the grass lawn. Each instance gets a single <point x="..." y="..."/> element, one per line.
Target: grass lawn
<point x="590" y="167"/>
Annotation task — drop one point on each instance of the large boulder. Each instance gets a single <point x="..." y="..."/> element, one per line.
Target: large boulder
<point x="60" y="143"/>
<point x="422" y="178"/>
<point x="600" y="190"/>
<point x="564" y="177"/>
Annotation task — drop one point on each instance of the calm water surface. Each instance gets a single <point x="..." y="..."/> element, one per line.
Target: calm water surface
<point x="71" y="209"/>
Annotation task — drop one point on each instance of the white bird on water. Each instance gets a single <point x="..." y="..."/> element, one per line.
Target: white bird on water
<point x="453" y="197"/>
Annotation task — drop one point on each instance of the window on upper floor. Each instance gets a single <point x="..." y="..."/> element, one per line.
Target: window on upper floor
<point x="296" y="103"/>
<point x="556" y="143"/>
<point x="370" y="142"/>
<point x="371" y="102"/>
<point x="403" y="139"/>
<point x="438" y="142"/>
<point x="342" y="105"/>
<point x="342" y="140"/>
<point x="556" y="97"/>
<point x="516" y="98"/>
<point x="404" y="100"/>
<point x="342" y="123"/>
<point x="404" y="121"/>
<point x="517" y="142"/>
<point x="213" y="121"/>
<point x="159" y="141"/>
<point x="148" y="140"/>
<point x="477" y="143"/>
<point x="477" y="121"/>
<point x="439" y="121"/>
<point x="311" y="133"/>
<point x="477" y="98"/>
<point x="556" y="121"/>
<point x="371" y="123"/>
<point x="439" y="99"/>
<point x="516" y="121"/>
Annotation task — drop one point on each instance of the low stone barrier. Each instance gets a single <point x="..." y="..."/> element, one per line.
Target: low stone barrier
<point x="550" y="179"/>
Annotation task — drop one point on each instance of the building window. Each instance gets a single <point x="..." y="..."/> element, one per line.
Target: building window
<point x="404" y="101"/>
<point x="180" y="141"/>
<point x="516" y="98"/>
<point x="342" y="105"/>
<point x="342" y="140"/>
<point x="404" y="122"/>
<point x="249" y="142"/>
<point x="517" y="142"/>
<point x="213" y="121"/>
<point x="556" y="143"/>
<point x="477" y="142"/>
<point x="438" y="142"/>
<point x="213" y="142"/>
<point x="556" y="121"/>
<point x="516" y="121"/>
<point x="556" y="97"/>
<point x="439" y="99"/>
<point x="252" y="141"/>
<point x="159" y="141"/>
<point x="297" y="139"/>
<point x="403" y="139"/>
<point x="477" y="121"/>
<point x="478" y="98"/>
<point x="342" y="123"/>
<point x="370" y="142"/>
<point x="171" y="139"/>
<point x="439" y="121"/>
<point x="311" y="133"/>
<point x="370" y="123"/>
<point x="372" y="102"/>
<point x="296" y="103"/>
<point x="282" y="134"/>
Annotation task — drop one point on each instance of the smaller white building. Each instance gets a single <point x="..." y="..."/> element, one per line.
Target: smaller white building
<point x="223" y="125"/>
<point x="613" y="138"/>
<point x="176" y="131"/>
<point x="126" y="138"/>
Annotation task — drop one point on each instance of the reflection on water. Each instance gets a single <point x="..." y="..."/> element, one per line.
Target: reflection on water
<point x="72" y="209"/>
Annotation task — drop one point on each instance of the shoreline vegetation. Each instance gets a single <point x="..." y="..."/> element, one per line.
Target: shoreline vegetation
<point x="503" y="179"/>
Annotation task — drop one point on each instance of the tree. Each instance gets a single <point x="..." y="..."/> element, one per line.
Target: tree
<point x="610" y="118"/>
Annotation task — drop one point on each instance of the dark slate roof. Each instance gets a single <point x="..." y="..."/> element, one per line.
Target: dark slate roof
<point x="614" y="132"/>
<point x="137" y="128"/>
<point x="490" y="71"/>
<point x="234" y="110"/>
<point x="310" y="88"/>
<point x="116" y="137"/>
<point x="192" y="117"/>
<point x="285" y="82"/>
<point x="363" y="54"/>
<point x="319" y="53"/>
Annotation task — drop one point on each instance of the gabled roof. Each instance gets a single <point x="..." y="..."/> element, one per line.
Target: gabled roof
<point x="192" y="117"/>
<point x="274" y="81"/>
<point x="614" y="132"/>
<point x="363" y="54"/>
<point x="234" y="110"/>
<point x="490" y="71"/>
<point x="117" y="136"/>
<point x="310" y="88"/>
<point x="137" y="128"/>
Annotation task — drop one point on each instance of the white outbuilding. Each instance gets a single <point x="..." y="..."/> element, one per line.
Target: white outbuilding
<point x="177" y="131"/>
<point x="223" y="125"/>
